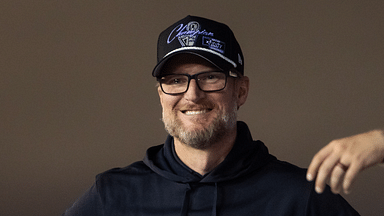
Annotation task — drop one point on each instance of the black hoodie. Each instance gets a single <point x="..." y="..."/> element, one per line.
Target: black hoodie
<point x="249" y="181"/>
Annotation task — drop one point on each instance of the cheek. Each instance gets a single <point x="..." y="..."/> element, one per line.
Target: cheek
<point x="167" y="102"/>
<point x="228" y="103"/>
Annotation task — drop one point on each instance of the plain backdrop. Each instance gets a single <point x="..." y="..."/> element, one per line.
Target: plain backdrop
<point x="77" y="96"/>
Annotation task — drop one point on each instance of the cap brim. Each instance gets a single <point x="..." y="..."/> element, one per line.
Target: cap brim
<point x="214" y="59"/>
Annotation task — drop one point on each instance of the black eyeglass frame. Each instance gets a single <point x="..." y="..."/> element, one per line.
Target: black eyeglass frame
<point x="228" y="73"/>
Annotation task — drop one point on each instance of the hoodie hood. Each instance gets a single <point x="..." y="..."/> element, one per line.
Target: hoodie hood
<point x="245" y="157"/>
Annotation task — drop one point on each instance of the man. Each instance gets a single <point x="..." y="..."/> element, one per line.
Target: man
<point x="209" y="164"/>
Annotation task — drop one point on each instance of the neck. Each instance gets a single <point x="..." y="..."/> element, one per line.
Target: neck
<point x="203" y="161"/>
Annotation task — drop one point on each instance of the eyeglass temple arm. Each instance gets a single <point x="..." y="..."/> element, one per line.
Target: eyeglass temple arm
<point x="232" y="74"/>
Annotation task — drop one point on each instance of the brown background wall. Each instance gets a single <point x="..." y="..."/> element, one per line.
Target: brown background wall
<point x="77" y="96"/>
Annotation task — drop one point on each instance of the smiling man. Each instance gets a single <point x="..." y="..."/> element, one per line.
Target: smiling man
<point x="209" y="163"/>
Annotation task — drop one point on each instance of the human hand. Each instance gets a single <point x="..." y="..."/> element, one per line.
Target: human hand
<point x="342" y="160"/>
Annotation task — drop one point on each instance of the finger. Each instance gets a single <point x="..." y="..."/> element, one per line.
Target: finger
<point x="325" y="170"/>
<point x="316" y="162"/>
<point x="350" y="176"/>
<point x="337" y="176"/>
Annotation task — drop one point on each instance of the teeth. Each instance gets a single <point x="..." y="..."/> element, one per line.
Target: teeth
<point x="195" y="112"/>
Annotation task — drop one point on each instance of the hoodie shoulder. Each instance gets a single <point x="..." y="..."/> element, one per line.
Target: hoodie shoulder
<point x="136" y="168"/>
<point x="288" y="174"/>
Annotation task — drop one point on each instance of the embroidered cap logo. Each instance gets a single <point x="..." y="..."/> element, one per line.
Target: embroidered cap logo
<point x="189" y="40"/>
<point x="187" y="34"/>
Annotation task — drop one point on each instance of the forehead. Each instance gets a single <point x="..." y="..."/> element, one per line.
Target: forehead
<point x="183" y="60"/>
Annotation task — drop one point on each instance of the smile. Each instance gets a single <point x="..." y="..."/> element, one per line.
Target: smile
<point x="196" y="112"/>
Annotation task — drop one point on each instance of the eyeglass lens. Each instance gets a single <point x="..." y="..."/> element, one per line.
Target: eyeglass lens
<point x="206" y="81"/>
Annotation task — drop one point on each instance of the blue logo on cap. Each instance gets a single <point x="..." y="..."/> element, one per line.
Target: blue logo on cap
<point x="214" y="44"/>
<point x="187" y="34"/>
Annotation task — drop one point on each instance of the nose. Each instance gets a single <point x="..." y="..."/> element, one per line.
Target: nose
<point x="194" y="93"/>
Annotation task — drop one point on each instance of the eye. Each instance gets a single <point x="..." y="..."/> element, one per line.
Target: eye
<point x="211" y="77"/>
<point x="174" y="79"/>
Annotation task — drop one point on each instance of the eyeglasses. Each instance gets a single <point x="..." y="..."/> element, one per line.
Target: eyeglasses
<point x="174" y="84"/>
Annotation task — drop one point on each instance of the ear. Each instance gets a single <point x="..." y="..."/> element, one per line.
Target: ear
<point x="159" y="89"/>
<point x="242" y="91"/>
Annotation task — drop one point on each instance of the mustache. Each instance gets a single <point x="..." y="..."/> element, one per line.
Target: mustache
<point x="200" y="106"/>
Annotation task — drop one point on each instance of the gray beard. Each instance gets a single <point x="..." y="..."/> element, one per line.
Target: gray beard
<point x="202" y="139"/>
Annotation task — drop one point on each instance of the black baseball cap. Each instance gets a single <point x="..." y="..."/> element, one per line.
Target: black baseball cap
<point x="211" y="40"/>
